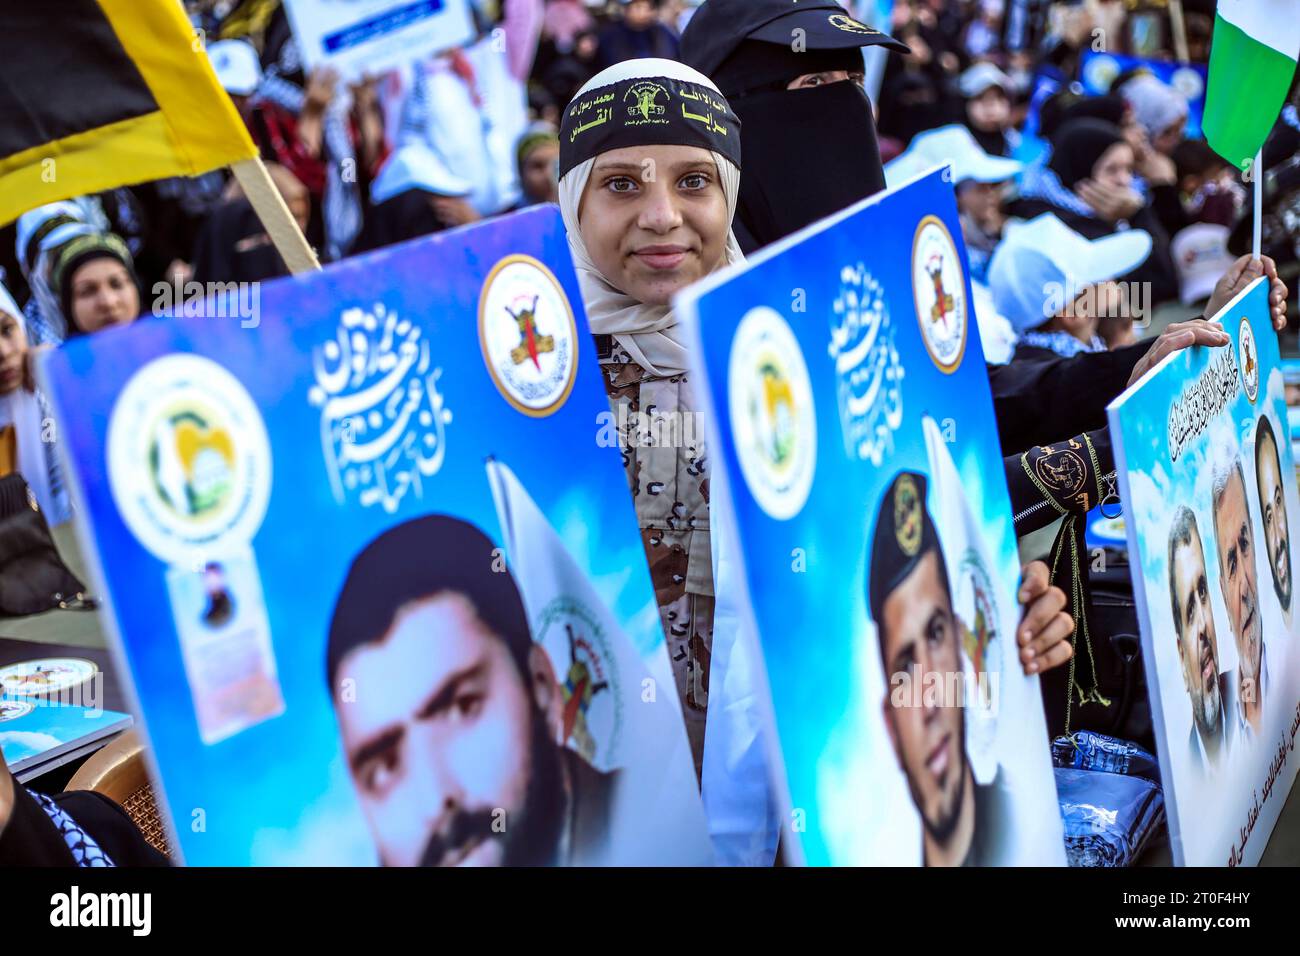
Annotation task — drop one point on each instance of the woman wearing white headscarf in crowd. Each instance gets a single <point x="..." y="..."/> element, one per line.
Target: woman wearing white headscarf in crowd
<point x="648" y="191"/>
<point x="26" y="438"/>
<point x="1159" y="109"/>
<point x="41" y="233"/>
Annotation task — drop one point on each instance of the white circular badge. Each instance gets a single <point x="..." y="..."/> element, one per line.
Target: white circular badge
<point x="975" y="602"/>
<point x="1100" y="71"/>
<point x="1188" y="82"/>
<point x="48" y="675"/>
<point x="528" y="335"/>
<point x="13" y="709"/>
<point x="939" y="288"/>
<point x="189" y="461"/>
<point x="1248" y="360"/>
<point x="772" y="414"/>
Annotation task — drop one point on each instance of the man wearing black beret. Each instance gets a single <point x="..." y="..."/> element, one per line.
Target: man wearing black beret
<point x="920" y="636"/>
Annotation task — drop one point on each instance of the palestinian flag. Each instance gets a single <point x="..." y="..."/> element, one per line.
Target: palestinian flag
<point x="1252" y="60"/>
<point x="97" y="94"/>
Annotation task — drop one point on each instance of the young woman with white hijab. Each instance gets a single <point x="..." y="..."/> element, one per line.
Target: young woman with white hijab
<point x="650" y="179"/>
<point x="650" y="174"/>
<point x="26" y="439"/>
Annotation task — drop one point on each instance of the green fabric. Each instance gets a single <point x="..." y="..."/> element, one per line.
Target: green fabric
<point x="1247" y="87"/>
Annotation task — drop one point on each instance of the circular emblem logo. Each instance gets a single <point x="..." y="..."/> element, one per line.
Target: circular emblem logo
<point x="46" y="676"/>
<point x="643" y="103"/>
<point x="189" y="462"/>
<point x="908" y="523"/>
<point x="592" y="713"/>
<point x="772" y="413"/>
<point x="975" y="602"/>
<point x="13" y="709"/>
<point x="1248" y="360"/>
<point x="1063" y="472"/>
<point x="528" y="336"/>
<point x="1188" y="82"/>
<point x="846" y="23"/>
<point x="1100" y="71"/>
<point x="1109" y="529"/>
<point x="939" y="287"/>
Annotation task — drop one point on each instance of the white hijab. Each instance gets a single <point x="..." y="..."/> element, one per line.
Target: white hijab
<point x="648" y="333"/>
<point x="25" y="411"/>
<point x="45" y="308"/>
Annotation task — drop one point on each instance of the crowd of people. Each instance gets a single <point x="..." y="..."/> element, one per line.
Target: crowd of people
<point x="1104" y="196"/>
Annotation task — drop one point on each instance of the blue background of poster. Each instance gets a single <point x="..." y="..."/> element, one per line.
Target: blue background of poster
<point x="1097" y="70"/>
<point x="819" y="646"/>
<point x="1208" y="815"/>
<point x="279" y="792"/>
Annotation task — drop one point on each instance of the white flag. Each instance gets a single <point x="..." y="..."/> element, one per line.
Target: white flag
<point x="987" y="613"/>
<point x="616" y="715"/>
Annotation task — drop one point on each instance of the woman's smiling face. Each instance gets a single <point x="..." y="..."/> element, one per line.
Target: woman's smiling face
<point x="654" y="219"/>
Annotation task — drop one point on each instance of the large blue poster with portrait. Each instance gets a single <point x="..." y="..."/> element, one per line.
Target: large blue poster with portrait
<point x="1207" y="477"/>
<point x="854" y="428"/>
<point x="379" y="588"/>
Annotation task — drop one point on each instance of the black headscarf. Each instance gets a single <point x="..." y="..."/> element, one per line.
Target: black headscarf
<point x="1067" y="107"/>
<point x="1078" y="146"/>
<point x="808" y="153"/>
<point x="233" y="247"/>
<point x="407" y="215"/>
<point x="76" y="253"/>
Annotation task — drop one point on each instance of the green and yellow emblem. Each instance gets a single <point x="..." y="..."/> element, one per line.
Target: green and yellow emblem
<point x="908" y="522"/>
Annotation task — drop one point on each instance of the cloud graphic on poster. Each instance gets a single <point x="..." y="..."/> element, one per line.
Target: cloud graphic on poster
<point x="329" y="832"/>
<point x="1275" y="391"/>
<point x="579" y="527"/>
<point x="29" y="739"/>
<point x="1148" y="507"/>
<point x="864" y="806"/>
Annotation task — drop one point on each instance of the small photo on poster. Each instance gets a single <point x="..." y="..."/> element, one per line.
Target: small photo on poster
<point x="225" y="640"/>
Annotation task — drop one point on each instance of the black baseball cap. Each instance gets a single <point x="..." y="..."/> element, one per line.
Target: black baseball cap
<point x="720" y="26"/>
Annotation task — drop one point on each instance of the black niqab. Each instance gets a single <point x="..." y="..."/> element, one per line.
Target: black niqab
<point x="1078" y="146"/>
<point x="808" y="153"/>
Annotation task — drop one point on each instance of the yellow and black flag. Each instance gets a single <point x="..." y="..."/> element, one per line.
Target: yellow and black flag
<point x="96" y="94"/>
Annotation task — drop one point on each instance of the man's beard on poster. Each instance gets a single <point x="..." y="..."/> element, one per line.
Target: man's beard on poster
<point x="531" y="838"/>
<point x="1252" y="637"/>
<point x="943" y="828"/>
<point x="1209" y="712"/>
<point x="1281" y="568"/>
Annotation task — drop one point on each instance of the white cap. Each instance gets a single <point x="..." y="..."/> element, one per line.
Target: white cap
<point x="236" y="65"/>
<point x="29" y="222"/>
<point x="1201" y="256"/>
<point x="996" y="334"/>
<point x="953" y="145"/>
<point x="416" y="167"/>
<point x="1042" y="265"/>
<point x="980" y="77"/>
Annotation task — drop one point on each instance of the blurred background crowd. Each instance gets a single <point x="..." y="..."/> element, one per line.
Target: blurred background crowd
<point x="1038" y="106"/>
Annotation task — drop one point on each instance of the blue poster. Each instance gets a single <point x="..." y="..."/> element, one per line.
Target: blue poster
<point x="855" y="432"/>
<point x="1098" y="70"/>
<point x="378" y="586"/>
<point x="35" y="732"/>
<point x="361" y="37"/>
<point x="1206" y="474"/>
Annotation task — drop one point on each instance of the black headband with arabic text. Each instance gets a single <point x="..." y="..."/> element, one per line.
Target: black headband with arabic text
<point x="647" y="111"/>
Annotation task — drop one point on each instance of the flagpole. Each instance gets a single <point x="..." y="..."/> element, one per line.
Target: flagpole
<point x="1180" y="30"/>
<point x="276" y="218"/>
<point x="1258" y="230"/>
